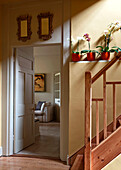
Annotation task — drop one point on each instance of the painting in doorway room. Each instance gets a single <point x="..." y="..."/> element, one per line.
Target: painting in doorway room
<point x="40" y="82"/>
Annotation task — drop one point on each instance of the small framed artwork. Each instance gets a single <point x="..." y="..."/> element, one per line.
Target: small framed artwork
<point x="40" y="82"/>
<point x="24" y="27"/>
<point x="45" y="28"/>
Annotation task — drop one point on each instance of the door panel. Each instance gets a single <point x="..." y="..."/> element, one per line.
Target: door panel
<point x="29" y="89"/>
<point x="25" y="63"/>
<point x="21" y="87"/>
<point x="24" y="99"/>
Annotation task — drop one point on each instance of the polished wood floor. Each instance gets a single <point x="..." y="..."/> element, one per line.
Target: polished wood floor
<point x="23" y="163"/>
<point x="47" y="144"/>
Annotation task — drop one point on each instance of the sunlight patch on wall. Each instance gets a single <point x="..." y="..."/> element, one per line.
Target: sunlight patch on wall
<point x="94" y="20"/>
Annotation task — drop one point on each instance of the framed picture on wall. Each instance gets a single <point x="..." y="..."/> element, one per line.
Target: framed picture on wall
<point x="24" y="27"/>
<point x="45" y="28"/>
<point x="40" y="82"/>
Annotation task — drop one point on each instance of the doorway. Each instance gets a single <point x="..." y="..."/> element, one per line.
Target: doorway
<point x="46" y="61"/>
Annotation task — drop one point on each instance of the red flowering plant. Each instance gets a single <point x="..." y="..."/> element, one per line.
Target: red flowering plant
<point x="88" y="39"/>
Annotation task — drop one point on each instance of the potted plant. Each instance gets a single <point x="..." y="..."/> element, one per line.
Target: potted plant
<point x="75" y="55"/>
<point x="90" y="53"/>
<point x="105" y="52"/>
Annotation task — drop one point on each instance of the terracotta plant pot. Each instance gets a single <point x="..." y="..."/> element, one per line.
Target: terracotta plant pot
<point x="91" y="56"/>
<point x="75" y="57"/>
<point x="105" y="55"/>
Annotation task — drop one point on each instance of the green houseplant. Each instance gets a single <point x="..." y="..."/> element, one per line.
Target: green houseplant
<point x="90" y="53"/>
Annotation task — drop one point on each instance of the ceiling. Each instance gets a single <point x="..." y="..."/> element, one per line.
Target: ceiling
<point x="8" y="1"/>
<point x="12" y="1"/>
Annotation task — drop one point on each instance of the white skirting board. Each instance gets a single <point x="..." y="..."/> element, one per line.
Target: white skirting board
<point x="0" y="151"/>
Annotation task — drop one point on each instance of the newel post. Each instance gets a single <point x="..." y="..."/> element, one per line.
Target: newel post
<point x="88" y="103"/>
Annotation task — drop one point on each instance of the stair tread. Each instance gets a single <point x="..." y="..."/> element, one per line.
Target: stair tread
<point x="119" y="120"/>
<point x="109" y="133"/>
<point x="93" y="145"/>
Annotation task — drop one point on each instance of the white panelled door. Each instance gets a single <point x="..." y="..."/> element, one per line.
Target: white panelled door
<point x="24" y="99"/>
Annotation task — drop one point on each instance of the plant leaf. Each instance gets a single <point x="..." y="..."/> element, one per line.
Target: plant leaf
<point x="84" y="51"/>
<point x="115" y="47"/>
<point x="106" y="49"/>
<point x="113" y="50"/>
<point x="94" y="51"/>
<point x="100" y="47"/>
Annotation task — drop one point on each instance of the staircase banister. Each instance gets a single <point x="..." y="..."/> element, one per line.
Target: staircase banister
<point x="88" y="103"/>
<point x="106" y="67"/>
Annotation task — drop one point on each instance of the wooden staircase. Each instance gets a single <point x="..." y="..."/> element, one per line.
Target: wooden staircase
<point x="77" y="160"/>
<point x="106" y="145"/>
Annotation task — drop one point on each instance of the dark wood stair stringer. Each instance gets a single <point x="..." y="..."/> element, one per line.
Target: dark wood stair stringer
<point x="107" y="150"/>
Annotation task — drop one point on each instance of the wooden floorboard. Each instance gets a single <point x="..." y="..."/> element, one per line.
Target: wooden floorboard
<point x="24" y="163"/>
<point x="37" y="156"/>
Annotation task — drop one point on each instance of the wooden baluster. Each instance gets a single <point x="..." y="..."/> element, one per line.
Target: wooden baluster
<point x="104" y="105"/>
<point x="114" y="107"/>
<point x="97" y="122"/>
<point x="88" y="103"/>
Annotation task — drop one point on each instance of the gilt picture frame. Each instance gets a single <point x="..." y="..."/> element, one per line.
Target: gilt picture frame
<point x="45" y="28"/>
<point x="40" y="82"/>
<point x="24" y="27"/>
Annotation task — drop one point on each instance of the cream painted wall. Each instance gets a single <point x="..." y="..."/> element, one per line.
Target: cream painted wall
<point x="33" y="9"/>
<point x="89" y="16"/>
<point x="0" y="68"/>
<point x="47" y="60"/>
<point x="114" y="164"/>
<point x="77" y="99"/>
<point x="93" y="17"/>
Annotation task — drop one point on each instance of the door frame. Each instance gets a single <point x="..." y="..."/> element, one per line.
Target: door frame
<point x="10" y="121"/>
<point x="7" y="53"/>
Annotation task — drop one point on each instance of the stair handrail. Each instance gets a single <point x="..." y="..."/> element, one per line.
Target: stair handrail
<point x="89" y="80"/>
<point x="106" y="67"/>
